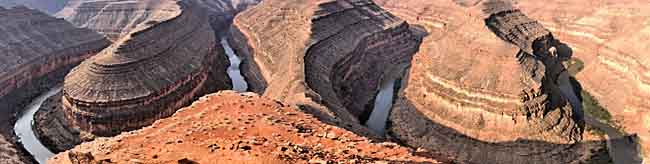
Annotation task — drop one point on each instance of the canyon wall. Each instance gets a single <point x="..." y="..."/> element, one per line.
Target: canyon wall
<point x="35" y="51"/>
<point x="148" y="74"/>
<point x="610" y="37"/>
<point x="485" y="87"/>
<point x="115" y="18"/>
<point x="229" y="127"/>
<point x="483" y="80"/>
<point x="49" y="6"/>
<point x="328" y="57"/>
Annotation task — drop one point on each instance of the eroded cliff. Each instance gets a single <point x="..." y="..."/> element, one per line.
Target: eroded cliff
<point x="229" y="127"/>
<point x="328" y="57"/>
<point x="36" y="50"/>
<point x="147" y="75"/>
<point x="487" y="87"/>
<point x="610" y="38"/>
<point x="116" y="18"/>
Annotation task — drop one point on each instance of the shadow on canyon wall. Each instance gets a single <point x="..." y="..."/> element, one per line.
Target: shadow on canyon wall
<point x="413" y="128"/>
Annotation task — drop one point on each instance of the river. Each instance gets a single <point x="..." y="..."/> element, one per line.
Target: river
<point x="383" y="105"/>
<point x="238" y="82"/>
<point x="25" y="133"/>
<point x="621" y="149"/>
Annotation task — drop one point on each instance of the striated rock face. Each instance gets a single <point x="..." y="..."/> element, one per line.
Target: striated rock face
<point x="610" y="37"/>
<point x="116" y="18"/>
<point x="229" y="127"/>
<point x="322" y="54"/>
<point x="488" y="86"/>
<point x="35" y="51"/>
<point x="49" y="7"/>
<point x="146" y="75"/>
<point x="34" y="44"/>
<point x="486" y="71"/>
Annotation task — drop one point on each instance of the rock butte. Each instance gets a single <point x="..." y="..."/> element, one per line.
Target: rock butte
<point x="229" y="127"/>
<point x="484" y="87"/>
<point x="147" y="75"/>
<point x="34" y="49"/>
<point x="611" y="38"/>
<point x="328" y="57"/>
<point x="116" y="18"/>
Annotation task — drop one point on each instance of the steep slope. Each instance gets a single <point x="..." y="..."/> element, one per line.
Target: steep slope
<point x="610" y="38"/>
<point x="328" y="57"/>
<point x="115" y="18"/>
<point x="229" y="127"/>
<point x="488" y="86"/>
<point x="147" y="75"/>
<point x="36" y="50"/>
<point x="49" y="7"/>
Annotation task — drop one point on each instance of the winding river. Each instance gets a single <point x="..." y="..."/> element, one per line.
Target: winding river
<point x="238" y="82"/>
<point x="383" y="105"/>
<point x="25" y="133"/>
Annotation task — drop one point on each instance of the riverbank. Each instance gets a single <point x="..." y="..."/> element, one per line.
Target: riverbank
<point x="13" y="104"/>
<point x="24" y="131"/>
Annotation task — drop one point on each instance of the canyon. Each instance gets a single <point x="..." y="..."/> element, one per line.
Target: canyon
<point x="36" y="50"/>
<point x="327" y="57"/>
<point x="116" y="18"/>
<point x="501" y="93"/>
<point x="146" y="76"/>
<point x="324" y="81"/>
<point x="608" y="37"/>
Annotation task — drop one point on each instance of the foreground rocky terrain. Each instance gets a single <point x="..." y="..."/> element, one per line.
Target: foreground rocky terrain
<point x="35" y="51"/>
<point x="327" y="57"/>
<point x="115" y="18"/>
<point x="230" y="127"/>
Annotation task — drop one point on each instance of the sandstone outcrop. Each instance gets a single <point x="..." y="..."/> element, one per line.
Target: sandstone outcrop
<point x="229" y="127"/>
<point x="49" y="7"/>
<point x="610" y="37"/>
<point x="115" y="18"/>
<point x="328" y="57"/>
<point x="147" y="75"/>
<point x="485" y="87"/>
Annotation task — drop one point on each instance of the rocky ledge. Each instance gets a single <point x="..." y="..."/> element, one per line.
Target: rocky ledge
<point x="328" y="57"/>
<point x="116" y="18"/>
<point x="487" y="87"/>
<point x="36" y="50"/>
<point x="147" y="75"/>
<point x="229" y="127"/>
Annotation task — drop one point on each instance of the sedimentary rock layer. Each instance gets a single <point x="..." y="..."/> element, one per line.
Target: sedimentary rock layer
<point x="611" y="38"/>
<point x="322" y="54"/>
<point x="116" y="18"/>
<point x="470" y="74"/>
<point x="147" y="75"/>
<point x="485" y="87"/>
<point x="230" y="127"/>
<point x="35" y="50"/>
<point x="33" y="44"/>
<point x="49" y="7"/>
